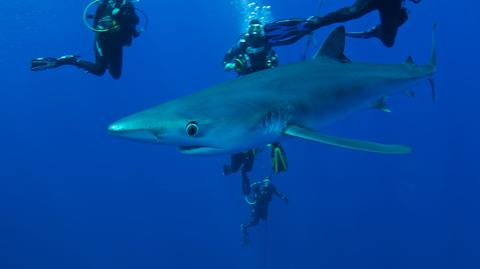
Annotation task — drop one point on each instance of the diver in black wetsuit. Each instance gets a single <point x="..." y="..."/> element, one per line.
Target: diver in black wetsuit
<point x="250" y="54"/>
<point x="115" y="22"/>
<point x="261" y="198"/>
<point x="393" y="14"/>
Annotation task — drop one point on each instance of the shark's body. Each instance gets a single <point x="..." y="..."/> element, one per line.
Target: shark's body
<point x="270" y="105"/>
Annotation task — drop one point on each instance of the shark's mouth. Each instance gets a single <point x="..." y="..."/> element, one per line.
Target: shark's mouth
<point x="192" y="149"/>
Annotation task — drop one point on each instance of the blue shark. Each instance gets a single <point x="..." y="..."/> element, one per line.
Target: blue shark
<point x="290" y="101"/>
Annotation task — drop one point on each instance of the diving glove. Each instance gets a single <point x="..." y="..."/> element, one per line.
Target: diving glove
<point x="230" y="66"/>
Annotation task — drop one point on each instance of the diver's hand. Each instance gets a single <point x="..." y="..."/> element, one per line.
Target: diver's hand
<point x="230" y="66"/>
<point x="285" y="199"/>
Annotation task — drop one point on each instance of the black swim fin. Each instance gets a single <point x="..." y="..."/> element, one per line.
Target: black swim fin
<point x="286" y="32"/>
<point x="39" y="64"/>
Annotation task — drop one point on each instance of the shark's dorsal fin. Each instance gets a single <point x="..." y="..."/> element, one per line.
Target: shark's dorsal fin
<point x="334" y="46"/>
<point x="310" y="135"/>
<point x="382" y="105"/>
<point x="410" y="61"/>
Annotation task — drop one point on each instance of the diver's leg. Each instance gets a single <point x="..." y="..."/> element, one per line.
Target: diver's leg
<point x="248" y="160"/>
<point x="45" y="63"/>
<point x="243" y="229"/>
<point x="286" y="32"/>
<point x="357" y="10"/>
<point x="115" y="61"/>
<point x="245" y="184"/>
<point x="254" y="218"/>
<point x="100" y="66"/>
<point x="373" y="32"/>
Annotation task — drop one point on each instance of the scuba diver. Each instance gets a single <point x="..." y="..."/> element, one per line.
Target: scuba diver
<point x="262" y="192"/>
<point x="115" y="23"/>
<point x="250" y="54"/>
<point x="393" y="14"/>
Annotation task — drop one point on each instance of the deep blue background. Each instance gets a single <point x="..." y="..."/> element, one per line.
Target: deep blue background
<point x="71" y="196"/>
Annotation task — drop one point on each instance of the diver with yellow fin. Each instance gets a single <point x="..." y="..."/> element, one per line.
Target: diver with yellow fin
<point x="115" y="25"/>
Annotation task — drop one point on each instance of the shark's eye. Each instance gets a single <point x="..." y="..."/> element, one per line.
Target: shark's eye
<point x="192" y="128"/>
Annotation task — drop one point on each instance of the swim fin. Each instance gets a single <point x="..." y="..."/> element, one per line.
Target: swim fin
<point x="279" y="160"/>
<point x="286" y="32"/>
<point x="39" y="64"/>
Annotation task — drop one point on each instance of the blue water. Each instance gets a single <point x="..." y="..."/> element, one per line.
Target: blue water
<point x="71" y="196"/>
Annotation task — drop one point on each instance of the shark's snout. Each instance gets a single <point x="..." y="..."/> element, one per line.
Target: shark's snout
<point x="123" y="130"/>
<point x="116" y="128"/>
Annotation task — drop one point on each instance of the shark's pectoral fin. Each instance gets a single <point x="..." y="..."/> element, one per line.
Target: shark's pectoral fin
<point x="310" y="135"/>
<point x="382" y="105"/>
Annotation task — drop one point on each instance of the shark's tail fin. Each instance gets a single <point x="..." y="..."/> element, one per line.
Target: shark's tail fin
<point x="433" y="61"/>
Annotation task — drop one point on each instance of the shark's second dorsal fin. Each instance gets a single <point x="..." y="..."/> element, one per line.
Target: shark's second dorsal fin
<point x="410" y="61"/>
<point x="334" y="46"/>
